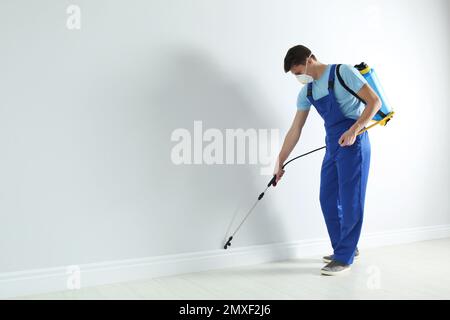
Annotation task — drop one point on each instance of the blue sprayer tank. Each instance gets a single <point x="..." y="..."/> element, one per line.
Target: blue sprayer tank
<point x="369" y="74"/>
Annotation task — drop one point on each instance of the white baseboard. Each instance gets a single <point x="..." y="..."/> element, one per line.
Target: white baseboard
<point x="392" y="237"/>
<point x="29" y="282"/>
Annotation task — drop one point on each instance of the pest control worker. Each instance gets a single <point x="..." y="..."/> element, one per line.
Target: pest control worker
<point x="345" y="167"/>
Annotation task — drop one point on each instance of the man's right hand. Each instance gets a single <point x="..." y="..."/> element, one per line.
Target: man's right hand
<point x="279" y="171"/>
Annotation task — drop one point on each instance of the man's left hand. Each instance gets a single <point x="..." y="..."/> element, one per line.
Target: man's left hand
<point x="347" y="138"/>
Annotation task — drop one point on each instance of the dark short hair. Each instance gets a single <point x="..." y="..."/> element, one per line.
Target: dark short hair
<point x="295" y="56"/>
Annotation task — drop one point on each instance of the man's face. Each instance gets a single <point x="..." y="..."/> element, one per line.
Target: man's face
<point x="298" y="69"/>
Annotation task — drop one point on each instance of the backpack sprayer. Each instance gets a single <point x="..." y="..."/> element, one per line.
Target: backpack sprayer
<point x="382" y="117"/>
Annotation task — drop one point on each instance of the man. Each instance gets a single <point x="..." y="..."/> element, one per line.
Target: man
<point x="345" y="167"/>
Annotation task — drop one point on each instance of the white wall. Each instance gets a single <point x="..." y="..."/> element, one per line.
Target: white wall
<point x="86" y="118"/>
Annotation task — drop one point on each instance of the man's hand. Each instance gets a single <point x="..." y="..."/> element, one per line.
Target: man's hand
<point x="372" y="106"/>
<point x="348" y="138"/>
<point x="279" y="171"/>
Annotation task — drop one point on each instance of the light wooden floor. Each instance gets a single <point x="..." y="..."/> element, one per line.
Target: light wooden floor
<point x="411" y="271"/>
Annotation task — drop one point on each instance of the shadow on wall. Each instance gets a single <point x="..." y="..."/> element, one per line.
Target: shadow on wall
<point x="198" y="201"/>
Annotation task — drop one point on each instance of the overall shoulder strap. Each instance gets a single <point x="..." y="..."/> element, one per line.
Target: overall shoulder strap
<point x="309" y="93"/>
<point x="331" y="78"/>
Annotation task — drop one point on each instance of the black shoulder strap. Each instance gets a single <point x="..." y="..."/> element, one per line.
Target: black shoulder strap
<point x="341" y="81"/>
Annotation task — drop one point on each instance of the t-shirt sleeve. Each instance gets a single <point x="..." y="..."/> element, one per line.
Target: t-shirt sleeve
<point x="352" y="77"/>
<point x="302" y="101"/>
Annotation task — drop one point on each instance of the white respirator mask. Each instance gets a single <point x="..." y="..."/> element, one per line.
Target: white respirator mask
<point x="305" y="78"/>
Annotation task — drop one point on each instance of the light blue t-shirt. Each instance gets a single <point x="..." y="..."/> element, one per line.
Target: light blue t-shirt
<point x="350" y="106"/>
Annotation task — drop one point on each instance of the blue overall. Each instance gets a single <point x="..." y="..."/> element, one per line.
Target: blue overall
<point x="343" y="177"/>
